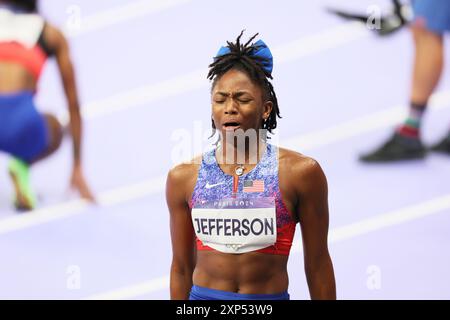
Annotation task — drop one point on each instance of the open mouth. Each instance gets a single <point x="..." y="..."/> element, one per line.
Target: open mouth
<point x="231" y="126"/>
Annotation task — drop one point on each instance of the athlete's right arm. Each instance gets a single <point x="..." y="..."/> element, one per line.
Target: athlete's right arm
<point x="58" y="43"/>
<point x="179" y="186"/>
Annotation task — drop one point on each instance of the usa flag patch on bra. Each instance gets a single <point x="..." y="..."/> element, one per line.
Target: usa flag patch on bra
<point x="253" y="186"/>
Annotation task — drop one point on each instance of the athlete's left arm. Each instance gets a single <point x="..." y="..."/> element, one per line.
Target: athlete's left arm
<point x="312" y="210"/>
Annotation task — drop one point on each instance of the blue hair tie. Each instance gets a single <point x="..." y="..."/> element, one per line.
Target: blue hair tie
<point x="260" y="51"/>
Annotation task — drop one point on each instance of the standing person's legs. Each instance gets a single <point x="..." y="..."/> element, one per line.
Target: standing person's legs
<point x="429" y="24"/>
<point x="433" y="15"/>
<point x="429" y="50"/>
<point x="427" y="70"/>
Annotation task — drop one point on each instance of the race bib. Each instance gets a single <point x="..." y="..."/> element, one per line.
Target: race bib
<point x="236" y="225"/>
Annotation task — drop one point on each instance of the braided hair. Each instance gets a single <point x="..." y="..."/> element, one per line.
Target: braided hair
<point x="241" y="58"/>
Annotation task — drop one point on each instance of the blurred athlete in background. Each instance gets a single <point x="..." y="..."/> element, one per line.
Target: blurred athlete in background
<point x="26" y="41"/>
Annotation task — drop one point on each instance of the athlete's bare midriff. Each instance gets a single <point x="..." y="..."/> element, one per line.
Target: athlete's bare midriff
<point x="246" y="273"/>
<point x="15" y="78"/>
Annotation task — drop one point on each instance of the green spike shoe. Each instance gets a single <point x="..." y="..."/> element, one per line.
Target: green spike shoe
<point x="20" y="174"/>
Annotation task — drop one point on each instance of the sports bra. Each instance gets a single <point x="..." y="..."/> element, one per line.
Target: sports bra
<point x="22" y="40"/>
<point x="243" y="216"/>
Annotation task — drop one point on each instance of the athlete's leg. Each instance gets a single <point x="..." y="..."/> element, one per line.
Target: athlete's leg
<point x="428" y="63"/>
<point x="55" y="136"/>
<point x="19" y="168"/>
<point x="427" y="70"/>
<point x="432" y="20"/>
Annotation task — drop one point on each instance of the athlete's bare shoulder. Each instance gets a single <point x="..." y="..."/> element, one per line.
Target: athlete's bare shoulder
<point x="296" y="162"/>
<point x="184" y="170"/>
<point x="303" y="171"/>
<point x="54" y="36"/>
<point x="182" y="177"/>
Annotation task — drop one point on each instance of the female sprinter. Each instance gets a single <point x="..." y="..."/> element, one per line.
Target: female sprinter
<point x="232" y="222"/>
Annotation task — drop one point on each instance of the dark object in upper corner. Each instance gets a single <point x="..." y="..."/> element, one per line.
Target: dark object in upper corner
<point x="388" y="24"/>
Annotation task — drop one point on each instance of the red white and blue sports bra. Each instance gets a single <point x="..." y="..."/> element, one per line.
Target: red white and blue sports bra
<point x="241" y="216"/>
<point x="21" y="39"/>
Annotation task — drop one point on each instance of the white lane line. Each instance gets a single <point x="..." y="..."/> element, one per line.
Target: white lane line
<point x="350" y="231"/>
<point x="385" y="220"/>
<point x="320" y="42"/>
<point x="156" y="185"/>
<point x="146" y="94"/>
<point x="76" y="207"/>
<point x="42" y="216"/>
<point x="361" y="125"/>
<point x="140" y="289"/>
<point x="129" y="193"/>
<point x="117" y="15"/>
